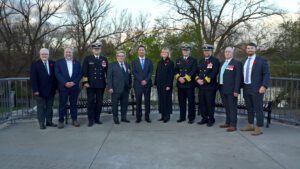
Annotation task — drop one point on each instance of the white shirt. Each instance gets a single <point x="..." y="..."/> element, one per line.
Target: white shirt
<point x="47" y="66"/>
<point x="142" y="58"/>
<point x="124" y="67"/>
<point x="70" y="67"/>
<point x="97" y="57"/>
<point x="248" y="81"/>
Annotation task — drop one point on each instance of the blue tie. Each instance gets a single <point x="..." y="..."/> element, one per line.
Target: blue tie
<point x="223" y="70"/>
<point x="248" y="70"/>
<point x="142" y="62"/>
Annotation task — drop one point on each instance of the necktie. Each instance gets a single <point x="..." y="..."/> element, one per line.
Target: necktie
<point x="142" y="60"/>
<point x="46" y="66"/>
<point x="223" y="70"/>
<point x="248" y="70"/>
<point x="122" y="66"/>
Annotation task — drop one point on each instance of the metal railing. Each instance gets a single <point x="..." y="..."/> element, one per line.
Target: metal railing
<point x="17" y="100"/>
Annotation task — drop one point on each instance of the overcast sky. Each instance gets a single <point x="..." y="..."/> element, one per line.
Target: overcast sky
<point x="155" y="9"/>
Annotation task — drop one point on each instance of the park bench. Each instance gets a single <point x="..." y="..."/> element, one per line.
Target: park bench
<point x="82" y="103"/>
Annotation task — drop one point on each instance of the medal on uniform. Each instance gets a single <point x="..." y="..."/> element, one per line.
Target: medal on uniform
<point x="103" y="63"/>
<point x="230" y="67"/>
<point x="209" y="66"/>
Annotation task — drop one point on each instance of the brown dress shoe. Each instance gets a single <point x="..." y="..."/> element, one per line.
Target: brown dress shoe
<point x="75" y="123"/>
<point x="258" y="131"/>
<point x="224" y="125"/>
<point x="231" y="129"/>
<point x="249" y="127"/>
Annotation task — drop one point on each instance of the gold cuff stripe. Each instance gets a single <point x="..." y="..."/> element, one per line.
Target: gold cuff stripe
<point x="85" y="79"/>
<point x="188" y="78"/>
<point x="208" y="79"/>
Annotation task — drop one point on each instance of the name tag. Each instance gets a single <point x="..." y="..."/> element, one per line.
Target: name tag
<point x="91" y="63"/>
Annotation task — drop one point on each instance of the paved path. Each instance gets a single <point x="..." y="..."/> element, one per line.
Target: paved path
<point x="147" y="146"/>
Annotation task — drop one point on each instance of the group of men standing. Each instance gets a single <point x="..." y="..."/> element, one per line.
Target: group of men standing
<point x="208" y="74"/>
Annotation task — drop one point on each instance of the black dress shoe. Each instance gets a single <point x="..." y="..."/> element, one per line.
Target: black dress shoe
<point x="60" y="125"/>
<point x="138" y="121"/>
<point x="161" y="119"/>
<point x="116" y="122"/>
<point x="191" y="121"/>
<point x="90" y="124"/>
<point x="148" y="120"/>
<point x="125" y="120"/>
<point x="202" y="122"/>
<point x="180" y="120"/>
<point x="51" y="124"/>
<point x="98" y="122"/>
<point x="166" y="120"/>
<point x="210" y="124"/>
<point x="42" y="127"/>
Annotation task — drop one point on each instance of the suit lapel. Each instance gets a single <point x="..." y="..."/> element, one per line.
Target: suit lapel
<point x="254" y="66"/>
<point x="43" y="67"/>
<point x="65" y="67"/>
<point x="140" y="64"/>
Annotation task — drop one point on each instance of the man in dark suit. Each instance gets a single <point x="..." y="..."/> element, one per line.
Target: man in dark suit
<point x="94" y="75"/>
<point x="142" y="69"/>
<point x="43" y="84"/>
<point x="206" y="79"/>
<point x="119" y="85"/>
<point x="68" y="73"/>
<point x="230" y="80"/>
<point x="185" y="70"/>
<point x="256" y="80"/>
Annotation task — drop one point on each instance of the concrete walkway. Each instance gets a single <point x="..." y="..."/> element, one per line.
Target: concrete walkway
<point x="147" y="146"/>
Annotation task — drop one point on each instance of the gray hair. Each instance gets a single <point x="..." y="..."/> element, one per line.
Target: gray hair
<point x="230" y="48"/>
<point x="120" y="51"/>
<point x="44" y="50"/>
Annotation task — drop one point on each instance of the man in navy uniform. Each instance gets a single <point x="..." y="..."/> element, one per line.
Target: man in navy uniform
<point x="68" y="73"/>
<point x="43" y="84"/>
<point x="230" y="80"/>
<point x="256" y="81"/>
<point x="94" y="75"/>
<point x="119" y="85"/>
<point x="206" y="79"/>
<point x="142" y="69"/>
<point x="185" y="70"/>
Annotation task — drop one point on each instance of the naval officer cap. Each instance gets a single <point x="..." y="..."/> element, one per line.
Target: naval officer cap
<point x="208" y="47"/>
<point x="186" y="46"/>
<point x="97" y="45"/>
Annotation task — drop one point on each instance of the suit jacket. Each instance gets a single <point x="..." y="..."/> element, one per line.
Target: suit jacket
<point x="142" y="74"/>
<point x="232" y="77"/>
<point x="164" y="75"/>
<point x="208" y="71"/>
<point x="62" y="74"/>
<point x="40" y="80"/>
<point x="94" y="71"/>
<point x="260" y="75"/>
<point x="186" y="69"/>
<point x="116" y="79"/>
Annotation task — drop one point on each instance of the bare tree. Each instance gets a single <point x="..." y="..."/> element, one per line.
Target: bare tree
<point x="216" y="21"/>
<point x="25" y="23"/>
<point x="89" y="23"/>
